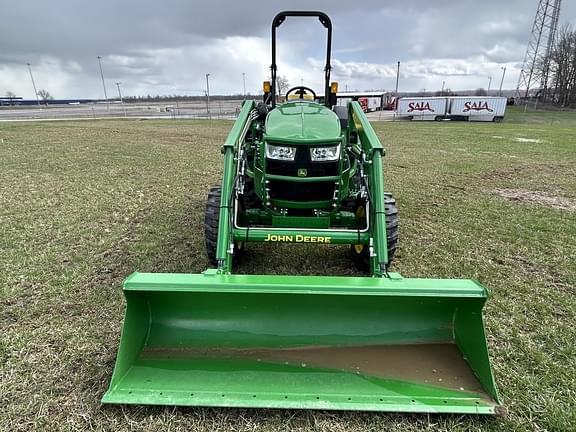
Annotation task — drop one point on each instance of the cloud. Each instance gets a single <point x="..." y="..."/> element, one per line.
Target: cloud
<point x="458" y="74"/>
<point x="168" y="47"/>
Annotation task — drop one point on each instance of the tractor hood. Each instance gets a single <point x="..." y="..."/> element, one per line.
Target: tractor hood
<point x="302" y="121"/>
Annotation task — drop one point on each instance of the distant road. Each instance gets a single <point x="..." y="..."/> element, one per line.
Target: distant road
<point x="167" y="110"/>
<point x="226" y="109"/>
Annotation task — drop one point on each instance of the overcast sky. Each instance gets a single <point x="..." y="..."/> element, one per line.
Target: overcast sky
<point x="167" y="47"/>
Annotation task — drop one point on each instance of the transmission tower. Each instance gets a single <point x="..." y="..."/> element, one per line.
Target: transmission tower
<point x="533" y="78"/>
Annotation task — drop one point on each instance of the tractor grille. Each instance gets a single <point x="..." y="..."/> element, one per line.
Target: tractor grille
<point x="292" y="191"/>
<point x="298" y="191"/>
<point x="302" y="160"/>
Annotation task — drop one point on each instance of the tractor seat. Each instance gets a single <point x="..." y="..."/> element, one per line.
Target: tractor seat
<point x="342" y="113"/>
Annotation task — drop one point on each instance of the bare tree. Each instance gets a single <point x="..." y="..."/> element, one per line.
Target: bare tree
<point x="44" y="95"/>
<point x="282" y="84"/>
<point x="480" y="92"/>
<point x="11" y="95"/>
<point x="563" y="67"/>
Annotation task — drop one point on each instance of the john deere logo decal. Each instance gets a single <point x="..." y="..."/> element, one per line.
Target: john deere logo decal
<point x="297" y="239"/>
<point x="302" y="172"/>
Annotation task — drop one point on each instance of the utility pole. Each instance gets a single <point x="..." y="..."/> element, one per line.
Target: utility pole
<point x="397" y="77"/>
<point x="33" y="83"/>
<point x="442" y="91"/>
<point x="396" y="91"/>
<point x="502" y="80"/>
<point x="119" y="92"/>
<point x="103" y="84"/>
<point x="489" y="84"/>
<point x="244" y="83"/>
<point x="208" y="96"/>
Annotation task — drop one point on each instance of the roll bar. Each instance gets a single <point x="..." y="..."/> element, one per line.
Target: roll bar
<point x="325" y="21"/>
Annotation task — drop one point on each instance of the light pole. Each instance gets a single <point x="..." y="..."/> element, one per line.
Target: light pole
<point x="208" y="96"/>
<point x="397" y="77"/>
<point x="119" y="92"/>
<point x="502" y="80"/>
<point x="102" y="76"/>
<point x="244" y="83"/>
<point x="442" y="91"/>
<point x="33" y="83"/>
<point x="489" y="84"/>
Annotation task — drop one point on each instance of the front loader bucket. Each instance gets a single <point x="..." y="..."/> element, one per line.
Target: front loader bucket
<point x="381" y="344"/>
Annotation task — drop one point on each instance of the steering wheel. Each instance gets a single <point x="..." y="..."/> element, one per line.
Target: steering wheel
<point x="303" y="93"/>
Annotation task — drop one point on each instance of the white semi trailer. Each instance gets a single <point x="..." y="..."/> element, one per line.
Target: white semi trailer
<point x="422" y="108"/>
<point x="471" y="108"/>
<point x="477" y="108"/>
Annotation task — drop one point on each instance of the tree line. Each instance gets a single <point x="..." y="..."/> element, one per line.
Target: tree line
<point x="43" y="95"/>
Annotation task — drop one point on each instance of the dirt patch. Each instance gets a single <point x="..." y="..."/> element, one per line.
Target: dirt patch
<point x="502" y="174"/>
<point x="536" y="197"/>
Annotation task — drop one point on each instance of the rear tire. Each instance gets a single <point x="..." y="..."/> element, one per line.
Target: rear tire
<point x="361" y="253"/>
<point x="211" y="221"/>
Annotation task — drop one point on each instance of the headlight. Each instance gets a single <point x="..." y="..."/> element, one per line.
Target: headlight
<point x="280" y="152"/>
<point x="323" y="154"/>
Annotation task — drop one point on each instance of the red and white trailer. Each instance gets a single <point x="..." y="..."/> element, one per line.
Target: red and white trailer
<point x="422" y="108"/>
<point x="477" y="108"/>
<point x="369" y="100"/>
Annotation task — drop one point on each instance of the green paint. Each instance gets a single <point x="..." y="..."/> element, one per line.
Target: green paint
<point x="300" y="221"/>
<point x="301" y="121"/>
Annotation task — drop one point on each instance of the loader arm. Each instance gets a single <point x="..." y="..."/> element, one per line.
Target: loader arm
<point x="372" y="153"/>
<point x="231" y="149"/>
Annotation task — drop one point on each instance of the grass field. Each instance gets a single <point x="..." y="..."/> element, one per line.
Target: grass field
<point x="83" y="204"/>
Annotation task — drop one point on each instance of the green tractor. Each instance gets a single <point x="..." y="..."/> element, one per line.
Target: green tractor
<point x="304" y="171"/>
